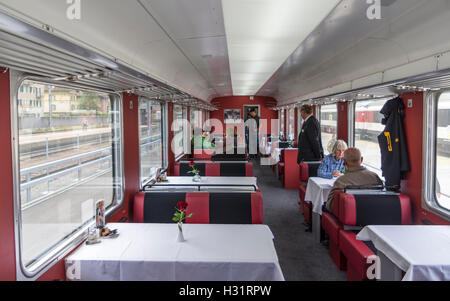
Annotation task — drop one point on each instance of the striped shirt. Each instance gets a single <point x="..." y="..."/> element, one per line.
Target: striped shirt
<point x="328" y="166"/>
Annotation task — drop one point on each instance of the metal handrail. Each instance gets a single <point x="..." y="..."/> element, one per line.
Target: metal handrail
<point x="28" y="184"/>
<point x="199" y="185"/>
<point x="62" y="173"/>
<point x="26" y="172"/>
<point x="62" y="161"/>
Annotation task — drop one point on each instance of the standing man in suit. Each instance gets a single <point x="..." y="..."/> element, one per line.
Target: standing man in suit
<point x="310" y="140"/>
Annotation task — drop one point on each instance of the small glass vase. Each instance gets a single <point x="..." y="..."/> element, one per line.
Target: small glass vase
<point x="180" y="237"/>
<point x="196" y="178"/>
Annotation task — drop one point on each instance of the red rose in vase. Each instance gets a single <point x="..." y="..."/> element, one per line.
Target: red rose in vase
<point x="182" y="206"/>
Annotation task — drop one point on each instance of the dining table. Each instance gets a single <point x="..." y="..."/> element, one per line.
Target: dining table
<point x="151" y="252"/>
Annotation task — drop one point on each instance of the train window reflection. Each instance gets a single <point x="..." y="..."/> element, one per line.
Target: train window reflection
<point x="68" y="150"/>
<point x="150" y="138"/>
<point x="442" y="188"/>
<point x="367" y="128"/>
<point x="328" y="124"/>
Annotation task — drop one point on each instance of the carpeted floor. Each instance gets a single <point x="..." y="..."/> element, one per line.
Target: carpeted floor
<point x="301" y="258"/>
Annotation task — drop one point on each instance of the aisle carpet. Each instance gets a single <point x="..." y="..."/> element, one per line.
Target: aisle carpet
<point x="301" y="258"/>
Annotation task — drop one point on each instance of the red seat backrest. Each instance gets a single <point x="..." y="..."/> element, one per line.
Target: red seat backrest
<point x="374" y="209"/>
<point x="199" y="204"/>
<point x="304" y="172"/>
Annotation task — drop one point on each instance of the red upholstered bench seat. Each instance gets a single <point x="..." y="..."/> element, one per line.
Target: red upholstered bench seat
<point x="357" y="254"/>
<point x="306" y="170"/>
<point x="211" y="169"/>
<point x="333" y="227"/>
<point x="360" y="210"/>
<point x="208" y="207"/>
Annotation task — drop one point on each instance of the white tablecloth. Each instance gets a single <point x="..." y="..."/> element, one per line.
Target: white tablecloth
<point x="150" y="252"/>
<point x="248" y="181"/>
<point x="317" y="192"/>
<point x="423" y="252"/>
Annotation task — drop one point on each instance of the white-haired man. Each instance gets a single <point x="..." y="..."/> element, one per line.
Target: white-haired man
<point x="356" y="175"/>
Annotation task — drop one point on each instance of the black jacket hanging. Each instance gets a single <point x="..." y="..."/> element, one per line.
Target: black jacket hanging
<point x="394" y="152"/>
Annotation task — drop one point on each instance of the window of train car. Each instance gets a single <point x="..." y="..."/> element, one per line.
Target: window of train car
<point x="281" y="118"/>
<point x="442" y="182"/>
<point x="196" y="118"/>
<point x="150" y="138"/>
<point x="291" y="124"/>
<point x="367" y="127"/>
<point x="68" y="157"/>
<point x="180" y="132"/>
<point x="329" y="126"/>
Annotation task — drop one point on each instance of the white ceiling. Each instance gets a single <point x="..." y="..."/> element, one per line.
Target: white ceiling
<point x="262" y="34"/>
<point x="288" y="49"/>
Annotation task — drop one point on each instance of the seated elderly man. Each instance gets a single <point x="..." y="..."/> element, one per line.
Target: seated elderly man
<point x="333" y="164"/>
<point x="356" y="175"/>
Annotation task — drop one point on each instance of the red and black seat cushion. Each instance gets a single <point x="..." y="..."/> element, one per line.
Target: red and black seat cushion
<point x="215" y="208"/>
<point x="185" y="169"/>
<point x="233" y="170"/>
<point x="230" y="208"/>
<point x="159" y="207"/>
<point x="378" y="209"/>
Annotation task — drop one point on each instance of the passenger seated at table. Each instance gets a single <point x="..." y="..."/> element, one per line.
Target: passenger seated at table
<point x="201" y="141"/>
<point x="356" y="175"/>
<point x="333" y="164"/>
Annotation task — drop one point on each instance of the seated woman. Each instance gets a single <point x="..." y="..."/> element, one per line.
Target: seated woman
<point x="333" y="164"/>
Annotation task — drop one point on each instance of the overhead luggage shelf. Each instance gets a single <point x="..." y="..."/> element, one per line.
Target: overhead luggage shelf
<point x="38" y="53"/>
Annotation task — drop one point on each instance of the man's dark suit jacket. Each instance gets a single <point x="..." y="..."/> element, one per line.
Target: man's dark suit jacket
<point x="310" y="141"/>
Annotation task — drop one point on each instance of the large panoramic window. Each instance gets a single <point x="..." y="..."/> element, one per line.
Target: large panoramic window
<point x="442" y="185"/>
<point x="367" y="128"/>
<point x="328" y="124"/>
<point x="68" y="157"/>
<point x="291" y="124"/>
<point x="196" y="118"/>
<point x="150" y="138"/>
<point x="282" y="125"/>
<point x="179" y="130"/>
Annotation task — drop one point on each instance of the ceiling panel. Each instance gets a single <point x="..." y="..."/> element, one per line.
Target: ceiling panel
<point x="347" y="46"/>
<point x="197" y="29"/>
<point x="262" y="34"/>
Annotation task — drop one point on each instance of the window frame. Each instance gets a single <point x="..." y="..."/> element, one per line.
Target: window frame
<point x="290" y="125"/>
<point x="352" y="133"/>
<point x="282" y="122"/>
<point x="58" y="252"/>
<point x="319" y="114"/>
<point x="164" y="164"/>
<point x="430" y="128"/>
<point x="183" y="130"/>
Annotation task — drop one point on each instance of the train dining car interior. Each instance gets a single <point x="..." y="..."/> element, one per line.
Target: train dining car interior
<point x="234" y="140"/>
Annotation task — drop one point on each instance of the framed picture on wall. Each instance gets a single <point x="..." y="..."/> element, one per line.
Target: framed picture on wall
<point x="248" y="109"/>
<point x="232" y="116"/>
